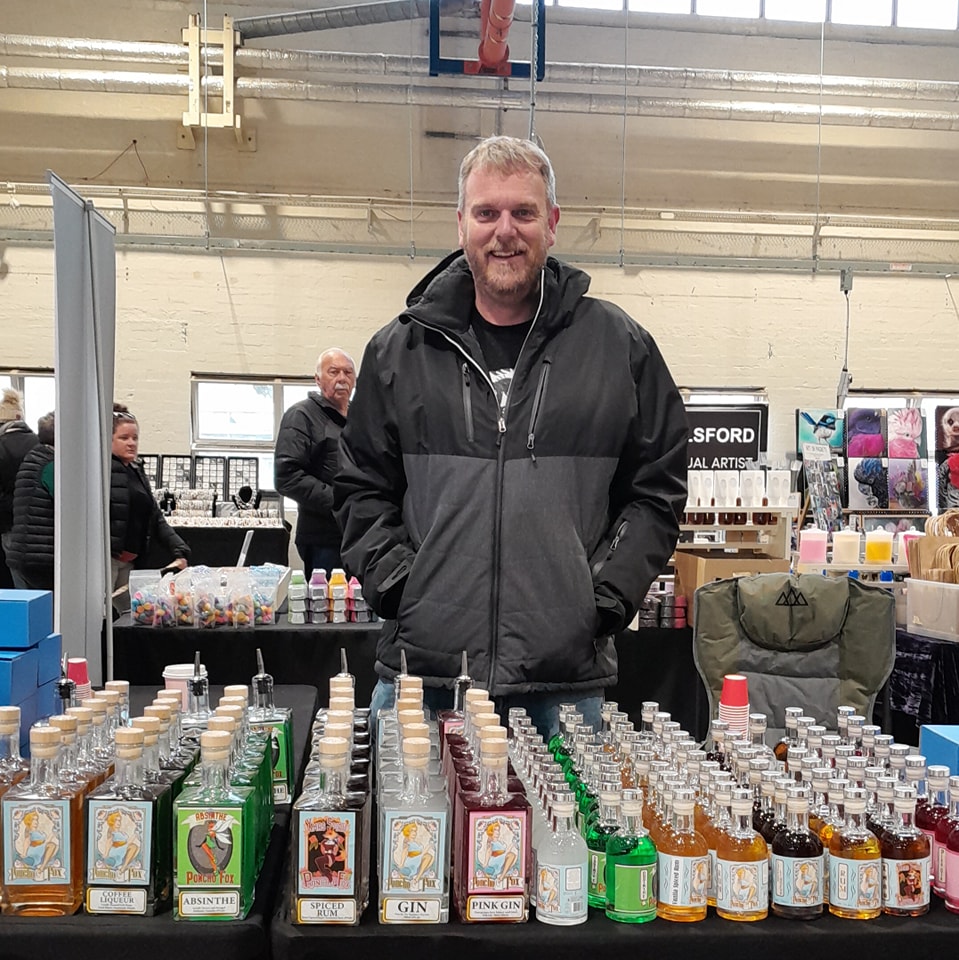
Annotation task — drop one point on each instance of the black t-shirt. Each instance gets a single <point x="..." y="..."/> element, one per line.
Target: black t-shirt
<point x="501" y="347"/>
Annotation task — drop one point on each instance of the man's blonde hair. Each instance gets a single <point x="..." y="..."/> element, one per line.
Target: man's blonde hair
<point x="506" y="155"/>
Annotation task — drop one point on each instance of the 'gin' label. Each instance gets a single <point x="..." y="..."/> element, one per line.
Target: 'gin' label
<point x="413" y="857"/>
<point x="36" y="842"/>
<point x="119" y="837"/>
<point x="855" y="884"/>
<point x="905" y="883"/>
<point x="683" y="880"/>
<point x="560" y="892"/>
<point x="497" y="852"/>
<point x="742" y="886"/>
<point x="209" y="849"/>
<point x="797" y="881"/>
<point x="326" y="857"/>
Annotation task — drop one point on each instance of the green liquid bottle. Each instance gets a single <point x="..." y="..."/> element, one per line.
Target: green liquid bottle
<point x="631" y="864"/>
<point x="277" y="723"/>
<point x="597" y="837"/>
<point x="215" y="841"/>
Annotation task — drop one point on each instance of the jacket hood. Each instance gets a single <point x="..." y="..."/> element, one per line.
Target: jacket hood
<point x="442" y="293"/>
<point x="14" y="426"/>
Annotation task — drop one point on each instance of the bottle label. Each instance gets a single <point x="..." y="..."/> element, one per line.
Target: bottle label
<point x="855" y="884"/>
<point x="111" y="900"/>
<point x="207" y="903"/>
<point x="634" y="889"/>
<point x="939" y="859"/>
<point x="597" y="874"/>
<point x="326" y="858"/>
<point x="560" y="891"/>
<point x="413" y="854"/>
<point x="905" y="883"/>
<point x="797" y="881"/>
<point x="209" y="852"/>
<point x="742" y="886"/>
<point x="496" y="858"/>
<point x="36" y="842"/>
<point x="952" y="875"/>
<point x="281" y="750"/>
<point x="683" y="880"/>
<point x="119" y="836"/>
<point x="318" y="910"/>
<point x="410" y="910"/>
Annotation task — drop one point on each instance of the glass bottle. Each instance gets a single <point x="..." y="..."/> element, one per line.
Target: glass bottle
<point x="122" y="687"/>
<point x="906" y="856"/>
<point x="215" y="841"/>
<point x="129" y="862"/>
<point x="797" y="863"/>
<point x="13" y="768"/>
<point x="451" y="721"/>
<point x="742" y="864"/>
<point x="331" y="843"/>
<point x="561" y="865"/>
<point x="943" y="828"/>
<point x="414" y="845"/>
<point x="43" y="836"/>
<point x="716" y="749"/>
<point x="277" y="723"/>
<point x="198" y="691"/>
<point x="716" y="824"/>
<point x="937" y="808"/>
<point x="683" y="865"/>
<point x="757" y="736"/>
<point x="855" y="881"/>
<point x="493" y="860"/>
<point x="631" y="865"/>
<point x="789" y="738"/>
<point x="597" y="837"/>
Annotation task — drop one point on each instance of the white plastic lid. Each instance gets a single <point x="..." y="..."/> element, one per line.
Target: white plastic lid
<point x="182" y="671"/>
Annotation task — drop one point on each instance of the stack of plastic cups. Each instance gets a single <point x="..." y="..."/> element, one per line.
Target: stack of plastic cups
<point x="734" y="703"/>
<point x="78" y="673"/>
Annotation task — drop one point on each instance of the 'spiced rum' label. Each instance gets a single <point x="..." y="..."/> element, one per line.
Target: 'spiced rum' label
<point x="36" y="842"/>
<point x="496" y="859"/>
<point x="413" y="858"/>
<point x="326" y="856"/>
<point x="855" y="884"/>
<point x="683" y="880"/>
<point x="797" y="881"/>
<point x="742" y="886"/>
<point x="321" y="910"/>
<point x="209" y="848"/>
<point x="905" y="883"/>
<point x="119" y="838"/>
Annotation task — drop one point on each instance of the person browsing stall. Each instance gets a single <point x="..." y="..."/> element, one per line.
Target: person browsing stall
<point x="16" y="441"/>
<point x="135" y="519"/>
<point x="514" y="467"/>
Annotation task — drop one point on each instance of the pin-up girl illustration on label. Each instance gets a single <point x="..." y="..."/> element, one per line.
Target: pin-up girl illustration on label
<point x="496" y="855"/>
<point x="36" y="843"/>
<point x="413" y="853"/>
<point x="118" y="845"/>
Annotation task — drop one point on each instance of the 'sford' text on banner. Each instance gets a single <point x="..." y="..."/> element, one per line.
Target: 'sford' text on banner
<point x="725" y="438"/>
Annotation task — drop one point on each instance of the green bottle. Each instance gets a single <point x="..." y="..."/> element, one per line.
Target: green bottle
<point x="631" y="862"/>
<point x="277" y="723"/>
<point x="597" y="837"/>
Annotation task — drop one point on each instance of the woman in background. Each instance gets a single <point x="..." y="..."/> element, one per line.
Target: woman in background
<point x="135" y="518"/>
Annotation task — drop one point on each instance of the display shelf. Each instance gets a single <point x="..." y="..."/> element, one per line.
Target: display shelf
<point x="846" y="567"/>
<point x="771" y="539"/>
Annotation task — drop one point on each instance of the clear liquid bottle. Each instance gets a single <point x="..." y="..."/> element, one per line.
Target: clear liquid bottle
<point x="561" y="864"/>
<point x="855" y="864"/>
<point x="631" y="869"/>
<point x="43" y="836"/>
<point x="906" y="857"/>
<point x="789" y="739"/>
<point x="683" y="865"/>
<point x="797" y="886"/>
<point x="742" y="864"/>
<point x="129" y="861"/>
<point x="414" y="845"/>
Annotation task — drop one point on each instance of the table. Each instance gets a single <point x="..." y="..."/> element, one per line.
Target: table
<point x="85" y="937"/>
<point x="924" y="686"/>
<point x="654" y="664"/>
<point x="220" y="546"/>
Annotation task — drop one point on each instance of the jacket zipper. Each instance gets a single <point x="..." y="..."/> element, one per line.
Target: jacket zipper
<point x="538" y="400"/>
<point x="500" y="468"/>
<point x="467" y="403"/>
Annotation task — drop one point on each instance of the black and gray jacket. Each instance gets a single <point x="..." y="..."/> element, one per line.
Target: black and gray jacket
<point x="307" y="453"/>
<point x="31" y="551"/>
<point x="16" y="441"/>
<point x="526" y="539"/>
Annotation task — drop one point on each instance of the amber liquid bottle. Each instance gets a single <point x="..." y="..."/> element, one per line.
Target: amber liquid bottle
<point x="906" y="858"/>
<point x="683" y="865"/>
<point x="855" y="881"/>
<point x="792" y="714"/>
<point x="742" y="864"/>
<point x="797" y="863"/>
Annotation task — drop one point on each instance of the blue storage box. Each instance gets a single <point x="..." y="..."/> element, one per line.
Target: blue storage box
<point x="46" y="700"/>
<point x="28" y="715"/>
<point x="18" y="675"/>
<point x="50" y="650"/>
<point x="26" y="617"/>
<point x="939" y="743"/>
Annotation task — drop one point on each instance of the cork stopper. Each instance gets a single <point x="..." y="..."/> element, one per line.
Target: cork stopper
<point x="480" y="706"/>
<point x="242" y="702"/>
<point x="408" y="683"/>
<point x="172" y="698"/>
<point x="416" y="747"/>
<point x="44" y="742"/>
<point x="342" y="731"/>
<point x="84" y="717"/>
<point x="98" y="710"/>
<point x="67" y="725"/>
<point x="630" y="808"/>
<point x="485" y="720"/>
<point x="339" y="716"/>
<point x="409" y="703"/>
<point x="162" y="712"/>
<point x="342" y="703"/>
<point x="404" y="717"/>
<point x="129" y="743"/>
<point x="237" y="690"/>
<point x="9" y="721"/>
<point x="121" y="686"/>
<point x="332" y="747"/>
<point x="492" y="732"/>
<point x="415" y="730"/>
<point x="150" y="727"/>
<point x="222" y="723"/>
<point x="112" y="697"/>
<point x="215" y="745"/>
<point x="230" y="710"/>
<point x="494" y="748"/>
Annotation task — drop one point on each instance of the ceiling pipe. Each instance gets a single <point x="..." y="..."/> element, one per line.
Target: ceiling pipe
<point x="497" y="18"/>
<point x="385" y="65"/>
<point x="491" y="99"/>
<point x="355" y="15"/>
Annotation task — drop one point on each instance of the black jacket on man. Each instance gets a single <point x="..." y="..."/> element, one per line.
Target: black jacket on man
<point x="16" y="441"/>
<point x="526" y="540"/>
<point x="31" y="551"/>
<point x="305" y="463"/>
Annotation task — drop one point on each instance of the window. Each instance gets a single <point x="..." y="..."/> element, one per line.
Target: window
<point x="869" y="13"/>
<point x="930" y="14"/>
<point x="805" y="11"/>
<point x="728" y="8"/>
<point x="38" y="390"/>
<point x="660" y="6"/>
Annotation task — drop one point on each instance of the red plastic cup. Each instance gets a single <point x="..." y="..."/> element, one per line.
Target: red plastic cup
<point x="735" y="691"/>
<point x="77" y="670"/>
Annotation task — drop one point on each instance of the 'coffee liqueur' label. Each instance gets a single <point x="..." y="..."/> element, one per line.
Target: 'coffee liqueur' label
<point x="209" y="848"/>
<point x="36" y="842"/>
<point x="413" y="855"/>
<point x="797" y="881"/>
<point x="683" y="880"/>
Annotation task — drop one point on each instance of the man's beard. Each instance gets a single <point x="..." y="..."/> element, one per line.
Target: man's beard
<point x="511" y="278"/>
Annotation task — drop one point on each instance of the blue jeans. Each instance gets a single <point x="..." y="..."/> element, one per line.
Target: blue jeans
<point x="542" y="708"/>
<point x="317" y="557"/>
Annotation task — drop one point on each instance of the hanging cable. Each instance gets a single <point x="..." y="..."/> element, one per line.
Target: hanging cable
<point x="822" y="65"/>
<point x="622" y="200"/>
<point x="206" y="124"/>
<point x="533" y="64"/>
<point x="409" y="109"/>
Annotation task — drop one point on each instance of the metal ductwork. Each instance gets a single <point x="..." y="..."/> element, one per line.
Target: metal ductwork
<point x="355" y="15"/>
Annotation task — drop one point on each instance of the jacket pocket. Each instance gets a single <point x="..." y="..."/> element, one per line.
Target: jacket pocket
<point x="539" y="400"/>
<point x="467" y="403"/>
<point x="604" y="556"/>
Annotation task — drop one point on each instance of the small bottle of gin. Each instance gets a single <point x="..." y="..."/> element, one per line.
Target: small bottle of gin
<point x="561" y="862"/>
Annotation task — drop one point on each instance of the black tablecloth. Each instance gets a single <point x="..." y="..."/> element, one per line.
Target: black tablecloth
<point x="924" y="686"/>
<point x="85" y="937"/>
<point x="220" y="546"/>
